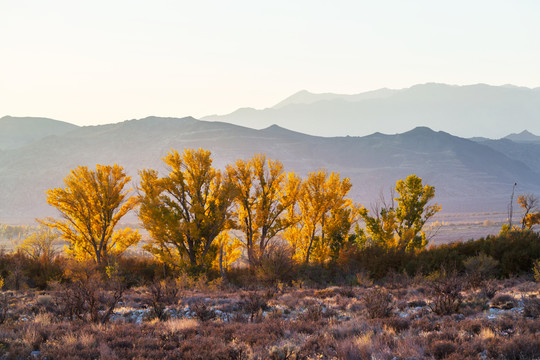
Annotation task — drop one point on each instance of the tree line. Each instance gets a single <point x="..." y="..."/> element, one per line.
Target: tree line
<point x="199" y="217"/>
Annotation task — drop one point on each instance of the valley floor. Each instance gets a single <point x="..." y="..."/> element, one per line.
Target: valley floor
<point x="400" y="318"/>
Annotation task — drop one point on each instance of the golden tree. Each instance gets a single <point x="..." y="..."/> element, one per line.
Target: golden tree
<point x="91" y="205"/>
<point x="230" y="250"/>
<point x="186" y="210"/>
<point x="531" y="216"/>
<point x="264" y="195"/>
<point x="324" y="216"/>
<point x="401" y="226"/>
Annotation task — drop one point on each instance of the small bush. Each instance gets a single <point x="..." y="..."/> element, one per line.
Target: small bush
<point x="446" y="292"/>
<point x="252" y="303"/>
<point x="442" y="348"/>
<point x="503" y="301"/>
<point x="536" y="270"/>
<point x="480" y="268"/>
<point x="162" y="294"/>
<point x="378" y="303"/>
<point x="202" y="311"/>
<point x="531" y="307"/>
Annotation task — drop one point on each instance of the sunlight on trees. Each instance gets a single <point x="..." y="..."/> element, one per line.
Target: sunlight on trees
<point x="185" y="211"/>
<point x="531" y="216"/>
<point x="230" y="250"/>
<point x="401" y="226"/>
<point x="265" y="194"/>
<point x="324" y="217"/>
<point x="91" y="205"/>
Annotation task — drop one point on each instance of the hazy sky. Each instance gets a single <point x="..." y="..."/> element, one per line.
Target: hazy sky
<point x="92" y="62"/>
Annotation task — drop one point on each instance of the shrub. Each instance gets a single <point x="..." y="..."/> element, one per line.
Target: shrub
<point x="378" y="303"/>
<point x="4" y="307"/>
<point x="446" y="292"/>
<point x="503" y="301"/>
<point x="480" y="268"/>
<point x="536" y="270"/>
<point x="88" y="297"/>
<point x="531" y="307"/>
<point x="252" y="303"/>
<point x="442" y="348"/>
<point x="276" y="265"/>
<point x="162" y="294"/>
<point x="202" y="311"/>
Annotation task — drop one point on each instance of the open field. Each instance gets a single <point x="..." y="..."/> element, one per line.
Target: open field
<point x="399" y="318"/>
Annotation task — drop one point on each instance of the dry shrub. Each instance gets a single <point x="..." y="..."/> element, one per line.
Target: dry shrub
<point x="480" y="268"/>
<point x="378" y="303"/>
<point x="313" y="313"/>
<point x="446" y="294"/>
<point x="489" y="288"/>
<point x="4" y="306"/>
<point x="284" y="350"/>
<point x="503" y="301"/>
<point x="531" y="307"/>
<point x="441" y="349"/>
<point x="253" y="303"/>
<point x="88" y="297"/>
<point x="397" y="324"/>
<point x="335" y="291"/>
<point x="203" y="311"/>
<point x="162" y="294"/>
<point x="176" y="325"/>
<point x="276" y="265"/>
<point x="522" y="347"/>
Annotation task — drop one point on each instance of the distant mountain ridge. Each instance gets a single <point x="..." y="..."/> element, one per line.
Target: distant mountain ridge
<point x="524" y="136"/>
<point x="19" y="131"/>
<point x="468" y="175"/>
<point x="467" y="111"/>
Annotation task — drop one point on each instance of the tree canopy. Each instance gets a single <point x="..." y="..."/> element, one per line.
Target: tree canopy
<point x="186" y="210"/>
<point x="264" y="195"/>
<point x="91" y="205"/>
<point x="324" y="216"/>
<point x="400" y="225"/>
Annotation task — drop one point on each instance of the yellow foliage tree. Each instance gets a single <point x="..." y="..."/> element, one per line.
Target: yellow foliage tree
<point x="401" y="226"/>
<point x="264" y="195"/>
<point x="91" y="205"/>
<point x="324" y="217"/>
<point x="185" y="211"/>
<point x="531" y="216"/>
<point x="230" y="250"/>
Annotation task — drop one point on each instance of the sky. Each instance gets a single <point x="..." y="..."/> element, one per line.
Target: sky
<point x="96" y="62"/>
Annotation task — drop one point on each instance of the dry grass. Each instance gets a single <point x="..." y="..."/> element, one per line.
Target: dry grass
<point x="331" y="323"/>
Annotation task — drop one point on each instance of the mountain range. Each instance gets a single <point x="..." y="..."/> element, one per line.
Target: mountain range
<point x="469" y="175"/>
<point x="466" y="111"/>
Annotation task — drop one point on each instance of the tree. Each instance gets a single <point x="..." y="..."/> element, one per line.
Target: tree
<point x="186" y="210"/>
<point x="531" y="216"/>
<point x="265" y="194"/>
<point x="324" y="217"/>
<point x="401" y="226"/>
<point x="91" y="205"/>
<point x="230" y="250"/>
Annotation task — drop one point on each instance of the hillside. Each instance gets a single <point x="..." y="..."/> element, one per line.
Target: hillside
<point x="19" y="131"/>
<point x="467" y="111"/>
<point x="468" y="176"/>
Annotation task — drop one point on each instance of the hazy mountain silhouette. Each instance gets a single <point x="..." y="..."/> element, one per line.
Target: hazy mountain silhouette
<point x="19" y="131"/>
<point x="467" y="111"/>
<point x="468" y="176"/>
<point x="524" y="136"/>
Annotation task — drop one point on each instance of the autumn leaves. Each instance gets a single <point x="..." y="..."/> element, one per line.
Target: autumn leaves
<point x="199" y="217"/>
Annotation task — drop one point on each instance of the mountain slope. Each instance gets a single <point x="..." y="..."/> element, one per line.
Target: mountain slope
<point x="19" y="131"/>
<point x="468" y="176"/>
<point x="473" y="110"/>
<point x="524" y="136"/>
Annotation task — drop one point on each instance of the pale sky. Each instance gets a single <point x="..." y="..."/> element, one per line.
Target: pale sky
<point x="95" y="62"/>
